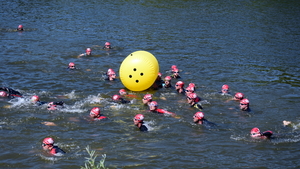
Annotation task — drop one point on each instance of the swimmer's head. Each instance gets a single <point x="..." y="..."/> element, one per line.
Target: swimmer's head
<point x="238" y="96"/>
<point x="20" y="27"/>
<point x="189" y="90"/>
<point x="199" y="115"/>
<point x="116" y="97"/>
<point x="255" y="132"/>
<point x="168" y="78"/>
<point x="72" y="65"/>
<point x="111" y="72"/>
<point x="35" y="98"/>
<point x="153" y="105"/>
<point x="3" y="94"/>
<point x="51" y="106"/>
<point x="107" y="45"/>
<point x="122" y="92"/>
<point x="95" y="112"/>
<point x="139" y="117"/>
<point x="179" y="84"/>
<point x="175" y="71"/>
<point x="244" y="104"/>
<point x="192" y="97"/>
<point x="148" y="97"/>
<point x="225" y="88"/>
<point x="88" y="50"/>
<point x="48" y="141"/>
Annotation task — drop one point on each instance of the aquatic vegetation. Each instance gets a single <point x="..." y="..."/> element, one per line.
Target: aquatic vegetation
<point x="90" y="161"/>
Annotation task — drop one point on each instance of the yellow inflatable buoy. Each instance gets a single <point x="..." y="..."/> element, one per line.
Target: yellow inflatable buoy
<point x="139" y="70"/>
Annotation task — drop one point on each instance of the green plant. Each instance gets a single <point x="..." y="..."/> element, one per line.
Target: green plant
<point x="90" y="161"/>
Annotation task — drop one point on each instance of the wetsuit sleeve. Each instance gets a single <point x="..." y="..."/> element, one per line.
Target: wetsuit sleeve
<point x="267" y="133"/>
<point x="123" y="101"/>
<point x="198" y="106"/>
<point x="164" y="111"/>
<point x="143" y="128"/>
<point x="59" y="103"/>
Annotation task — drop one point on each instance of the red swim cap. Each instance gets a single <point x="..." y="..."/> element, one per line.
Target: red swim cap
<point x="168" y="78"/>
<point x="180" y="83"/>
<point x="193" y="96"/>
<point x="110" y="72"/>
<point x="116" y="97"/>
<point x="139" y="117"/>
<point x="199" y="115"/>
<point x="48" y="140"/>
<point x="239" y="96"/>
<point x="255" y="130"/>
<point x="173" y="67"/>
<point x="148" y="97"/>
<point x="95" y="111"/>
<point x="35" y="98"/>
<point x="244" y="101"/>
<point x="189" y="89"/>
<point x="153" y="103"/>
<point x="88" y="50"/>
<point x="3" y="94"/>
<point x="107" y="44"/>
<point x="225" y="86"/>
<point x="122" y="91"/>
<point x="20" y="26"/>
<point x="71" y="64"/>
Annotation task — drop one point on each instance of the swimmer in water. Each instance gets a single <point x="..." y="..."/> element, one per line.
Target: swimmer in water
<point x="110" y="75"/>
<point x="225" y="89"/>
<point x="138" y="121"/>
<point x="158" y="82"/>
<point x="71" y="66"/>
<point x="153" y="107"/>
<point x="189" y="90"/>
<point x="55" y="105"/>
<point x="9" y="92"/>
<point x="88" y="52"/>
<point x="238" y="96"/>
<point x="122" y="92"/>
<point x="20" y="28"/>
<point x="175" y="74"/>
<point x="255" y="133"/>
<point x="167" y="83"/>
<point x="48" y="145"/>
<point x="118" y="99"/>
<point x="289" y="123"/>
<point x="147" y="99"/>
<point x="95" y="114"/>
<point x="50" y="106"/>
<point x="198" y="118"/>
<point x="107" y="45"/>
<point x="245" y="105"/>
<point x="179" y="87"/>
<point x="193" y="100"/>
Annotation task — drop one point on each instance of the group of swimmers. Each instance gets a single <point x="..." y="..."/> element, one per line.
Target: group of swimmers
<point x="192" y="99"/>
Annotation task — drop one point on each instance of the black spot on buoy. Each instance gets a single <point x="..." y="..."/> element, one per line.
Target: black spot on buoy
<point x="130" y="76"/>
<point x="142" y="74"/>
<point x="137" y="81"/>
<point x="134" y="69"/>
<point x="131" y="54"/>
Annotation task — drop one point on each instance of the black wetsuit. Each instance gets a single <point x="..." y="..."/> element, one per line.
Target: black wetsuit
<point x="197" y="106"/>
<point x="12" y="93"/>
<point x="143" y="128"/>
